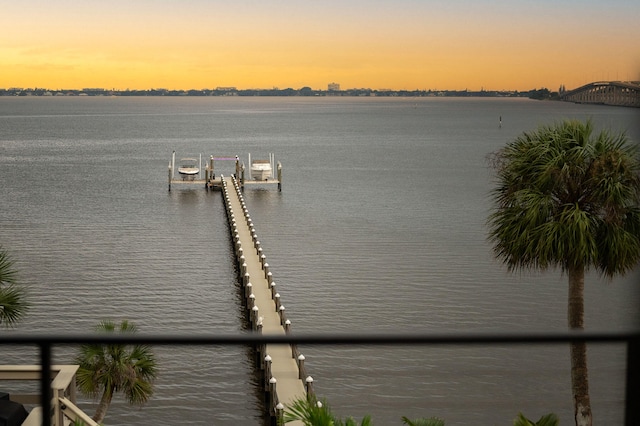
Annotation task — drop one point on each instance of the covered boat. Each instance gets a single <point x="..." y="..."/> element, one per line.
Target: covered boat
<point x="189" y="168"/>
<point x="261" y="170"/>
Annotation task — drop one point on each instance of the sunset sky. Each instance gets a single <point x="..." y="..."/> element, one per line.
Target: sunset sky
<point x="395" y="44"/>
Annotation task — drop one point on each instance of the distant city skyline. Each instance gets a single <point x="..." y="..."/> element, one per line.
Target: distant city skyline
<point x="495" y="45"/>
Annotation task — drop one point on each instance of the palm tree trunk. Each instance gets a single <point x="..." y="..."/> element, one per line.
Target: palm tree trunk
<point x="579" y="372"/>
<point x="105" y="401"/>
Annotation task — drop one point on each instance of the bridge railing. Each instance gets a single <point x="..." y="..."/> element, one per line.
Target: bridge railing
<point x="631" y="339"/>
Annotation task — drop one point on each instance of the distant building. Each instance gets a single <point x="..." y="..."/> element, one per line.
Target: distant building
<point x="333" y="87"/>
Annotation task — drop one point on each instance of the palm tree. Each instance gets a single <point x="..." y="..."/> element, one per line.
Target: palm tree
<point x="309" y="411"/>
<point x="13" y="304"/>
<point x="431" y="421"/>
<point x="109" y="368"/>
<point x="566" y="198"/>
<point x="312" y="412"/>
<point x="547" y="420"/>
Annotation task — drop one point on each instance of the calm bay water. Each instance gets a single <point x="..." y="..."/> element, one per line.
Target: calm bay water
<point x="380" y="227"/>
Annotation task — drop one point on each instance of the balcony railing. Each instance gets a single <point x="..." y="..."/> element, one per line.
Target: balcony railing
<point x="49" y="387"/>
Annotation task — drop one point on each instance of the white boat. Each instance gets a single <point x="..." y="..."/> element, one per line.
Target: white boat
<point x="261" y="170"/>
<point x="189" y="168"/>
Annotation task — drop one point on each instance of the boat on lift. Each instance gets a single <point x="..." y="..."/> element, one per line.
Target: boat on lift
<point x="189" y="168"/>
<point x="261" y="170"/>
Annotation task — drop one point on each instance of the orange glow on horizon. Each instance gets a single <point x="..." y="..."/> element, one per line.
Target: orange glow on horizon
<point x="416" y="47"/>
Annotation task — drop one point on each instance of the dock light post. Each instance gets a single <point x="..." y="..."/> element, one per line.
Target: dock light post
<point x="309" y="385"/>
<point x="280" y="413"/>
<point x="276" y="298"/>
<point x="300" y="366"/>
<point x="272" y="286"/>
<point x="267" y="367"/>
<point x="254" y="316"/>
<point x="272" y="389"/>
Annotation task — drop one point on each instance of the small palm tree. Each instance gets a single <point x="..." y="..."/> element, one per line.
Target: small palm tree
<point x="109" y="368"/>
<point x="312" y="412"/>
<point x="350" y="421"/>
<point x="431" y="421"/>
<point x="570" y="200"/>
<point x="309" y="411"/>
<point x="13" y="304"/>
<point x="547" y="420"/>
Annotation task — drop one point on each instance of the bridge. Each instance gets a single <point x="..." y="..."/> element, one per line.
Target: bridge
<point x="618" y="93"/>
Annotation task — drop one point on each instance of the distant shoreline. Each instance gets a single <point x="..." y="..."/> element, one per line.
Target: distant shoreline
<point x="542" y="93"/>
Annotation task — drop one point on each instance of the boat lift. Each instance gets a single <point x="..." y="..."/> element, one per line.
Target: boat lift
<point x="274" y="178"/>
<point x="207" y="176"/>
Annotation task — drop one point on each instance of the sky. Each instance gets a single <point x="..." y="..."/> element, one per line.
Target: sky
<point x="377" y="44"/>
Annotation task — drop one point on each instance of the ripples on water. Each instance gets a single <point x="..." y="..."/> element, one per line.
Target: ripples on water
<point x="379" y="228"/>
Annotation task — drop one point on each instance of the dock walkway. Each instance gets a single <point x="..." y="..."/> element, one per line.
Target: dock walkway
<point x="282" y="364"/>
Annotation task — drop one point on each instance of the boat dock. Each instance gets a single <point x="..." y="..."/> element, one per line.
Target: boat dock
<point x="206" y="176"/>
<point x="282" y="368"/>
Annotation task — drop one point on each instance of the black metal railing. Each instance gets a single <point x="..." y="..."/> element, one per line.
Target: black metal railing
<point x="631" y="339"/>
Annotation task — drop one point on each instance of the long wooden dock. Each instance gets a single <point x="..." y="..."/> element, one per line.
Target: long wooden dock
<point x="284" y="374"/>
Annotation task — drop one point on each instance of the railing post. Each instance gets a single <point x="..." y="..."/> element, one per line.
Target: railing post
<point x="45" y="382"/>
<point x="631" y="414"/>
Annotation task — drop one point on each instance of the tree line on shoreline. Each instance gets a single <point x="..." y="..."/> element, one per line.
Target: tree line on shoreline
<point x="542" y="93"/>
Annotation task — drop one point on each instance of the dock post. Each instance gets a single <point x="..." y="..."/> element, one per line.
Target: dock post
<point x="279" y="414"/>
<point x="276" y="299"/>
<point x="273" y="289"/>
<point x="301" y="366"/>
<point x="272" y="393"/>
<point x="279" y="176"/>
<point x="309" y="385"/>
<point x="267" y="371"/>
<point x="254" y="317"/>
